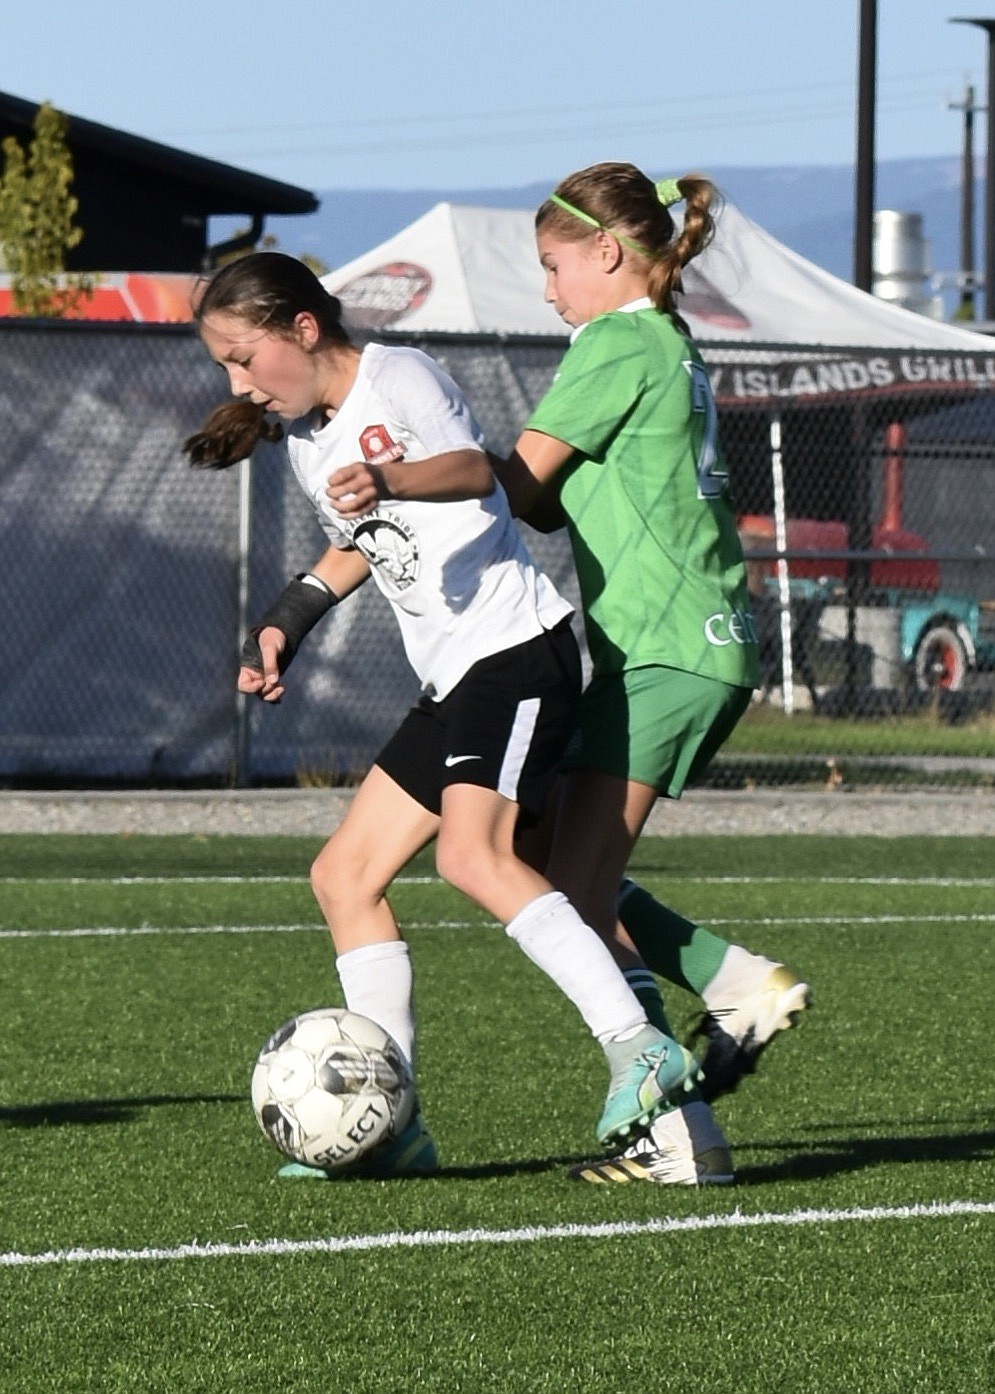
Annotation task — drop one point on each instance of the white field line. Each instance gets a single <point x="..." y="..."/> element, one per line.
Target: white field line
<point x="739" y="921"/>
<point x="127" y="931"/>
<point x="769" y="921"/>
<point x="650" y="876"/>
<point x="302" y="880"/>
<point x="423" y="1239"/>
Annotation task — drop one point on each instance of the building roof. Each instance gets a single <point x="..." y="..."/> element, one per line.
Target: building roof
<point x="145" y="206"/>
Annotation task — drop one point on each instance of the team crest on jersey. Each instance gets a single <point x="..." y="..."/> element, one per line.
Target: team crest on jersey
<point x="376" y="442"/>
<point x="390" y="545"/>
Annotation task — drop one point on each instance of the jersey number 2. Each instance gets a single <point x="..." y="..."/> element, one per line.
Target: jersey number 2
<point x="711" y="475"/>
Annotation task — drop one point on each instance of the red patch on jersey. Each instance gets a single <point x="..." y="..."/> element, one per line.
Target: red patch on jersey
<point x="375" y="443"/>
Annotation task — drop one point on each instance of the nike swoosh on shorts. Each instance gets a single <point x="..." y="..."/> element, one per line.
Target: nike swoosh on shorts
<point x="458" y="759"/>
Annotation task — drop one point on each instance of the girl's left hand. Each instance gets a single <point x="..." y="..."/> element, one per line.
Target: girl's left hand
<point x="357" y="489"/>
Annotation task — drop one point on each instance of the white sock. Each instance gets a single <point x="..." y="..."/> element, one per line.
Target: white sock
<point x="377" y="982"/>
<point x="556" y="939"/>
<point x="739" y="974"/>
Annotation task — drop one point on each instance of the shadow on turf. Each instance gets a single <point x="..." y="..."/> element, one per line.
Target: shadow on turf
<point x="829" y="1156"/>
<point x="480" y="1171"/>
<point x="526" y="1166"/>
<point x="798" y="1160"/>
<point x="86" y="1111"/>
<point x="807" y="1162"/>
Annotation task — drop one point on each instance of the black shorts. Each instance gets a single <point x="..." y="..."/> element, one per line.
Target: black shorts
<point x="504" y="726"/>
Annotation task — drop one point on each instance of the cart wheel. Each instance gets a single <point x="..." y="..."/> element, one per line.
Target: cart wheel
<point x="940" y="660"/>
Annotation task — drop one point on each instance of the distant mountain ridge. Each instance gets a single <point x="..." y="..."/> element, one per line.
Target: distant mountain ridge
<point x="809" y="209"/>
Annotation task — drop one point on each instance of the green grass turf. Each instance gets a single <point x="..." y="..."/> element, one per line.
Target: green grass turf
<point x="125" y="1127"/>
<point x="764" y="729"/>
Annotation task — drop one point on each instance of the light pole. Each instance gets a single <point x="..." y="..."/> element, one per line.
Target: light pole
<point x="863" y="231"/>
<point x="965" y="310"/>
<point x="988" y="25"/>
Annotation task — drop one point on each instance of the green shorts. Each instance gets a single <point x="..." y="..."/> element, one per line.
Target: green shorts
<point x="659" y="726"/>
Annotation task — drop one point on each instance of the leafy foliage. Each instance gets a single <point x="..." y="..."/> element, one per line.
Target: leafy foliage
<point x="37" y="209"/>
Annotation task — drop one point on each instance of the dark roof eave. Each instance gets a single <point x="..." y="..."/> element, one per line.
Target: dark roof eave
<point x="227" y="189"/>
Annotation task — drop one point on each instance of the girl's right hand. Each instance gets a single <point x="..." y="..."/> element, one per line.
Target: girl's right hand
<point x="265" y="683"/>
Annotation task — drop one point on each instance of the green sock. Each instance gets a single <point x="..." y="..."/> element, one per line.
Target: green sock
<point x="647" y="989"/>
<point x="679" y="951"/>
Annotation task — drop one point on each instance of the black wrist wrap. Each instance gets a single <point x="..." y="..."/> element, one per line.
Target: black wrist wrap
<point x="296" y="610"/>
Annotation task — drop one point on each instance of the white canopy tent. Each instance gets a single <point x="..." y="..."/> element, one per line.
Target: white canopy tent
<point x="463" y="270"/>
<point x="455" y="270"/>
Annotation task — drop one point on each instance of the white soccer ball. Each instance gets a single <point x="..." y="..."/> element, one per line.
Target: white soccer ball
<point x="329" y="1086"/>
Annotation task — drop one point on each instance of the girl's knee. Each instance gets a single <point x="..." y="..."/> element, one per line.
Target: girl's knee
<point x="464" y="864"/>
<point x="335" y="875"/>
<point x="448" y="862"/>
<point x="323" y="878"/>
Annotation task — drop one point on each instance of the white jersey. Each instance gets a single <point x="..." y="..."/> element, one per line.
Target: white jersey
<point x="457" y="575"/>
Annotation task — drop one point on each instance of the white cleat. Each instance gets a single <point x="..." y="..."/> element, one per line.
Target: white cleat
<point x="683" y="1147"/>
<point x="739" y="1031"/>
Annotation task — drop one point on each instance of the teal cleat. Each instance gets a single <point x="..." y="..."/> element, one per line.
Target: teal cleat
<point x="300" y="1171"/>
<point x="649" y="1083"/>
<point x="412" y="1153"/>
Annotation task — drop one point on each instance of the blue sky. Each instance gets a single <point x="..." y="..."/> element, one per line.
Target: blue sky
<point x="391" y="95"/>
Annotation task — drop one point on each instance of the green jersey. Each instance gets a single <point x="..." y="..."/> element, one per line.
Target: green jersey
<point x="658" y="558"/>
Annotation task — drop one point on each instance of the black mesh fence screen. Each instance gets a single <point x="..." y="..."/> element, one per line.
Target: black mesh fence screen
<point x="119" y="574"/>
<point x="865" y="484"/>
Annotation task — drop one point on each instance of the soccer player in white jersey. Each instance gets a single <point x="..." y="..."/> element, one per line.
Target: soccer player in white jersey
<point x="623" y="449"/>
<point x="485" y="631"/>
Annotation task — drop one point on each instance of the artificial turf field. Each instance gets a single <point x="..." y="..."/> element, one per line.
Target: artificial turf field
<point x="147" y="1244"/>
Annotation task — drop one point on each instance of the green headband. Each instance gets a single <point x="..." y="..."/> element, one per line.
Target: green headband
<point x="667" y="193"/>
<point x="593" y="222"/>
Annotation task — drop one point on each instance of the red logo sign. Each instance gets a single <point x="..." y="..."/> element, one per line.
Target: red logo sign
<point x="386" y="294"/>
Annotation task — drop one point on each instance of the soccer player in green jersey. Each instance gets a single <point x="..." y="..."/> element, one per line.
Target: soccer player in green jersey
<point x="626" y="439"/>
<point x="624" y="450"/>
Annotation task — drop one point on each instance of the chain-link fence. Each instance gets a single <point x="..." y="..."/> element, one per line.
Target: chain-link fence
<point x="865" y="484"/>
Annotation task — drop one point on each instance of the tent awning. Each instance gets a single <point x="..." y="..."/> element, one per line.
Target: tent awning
<point x="777" y="326"/>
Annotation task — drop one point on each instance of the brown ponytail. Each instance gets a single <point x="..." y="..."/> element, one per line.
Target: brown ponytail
<point x="700" y="199"/>
<point x="230" y="433"/>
